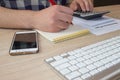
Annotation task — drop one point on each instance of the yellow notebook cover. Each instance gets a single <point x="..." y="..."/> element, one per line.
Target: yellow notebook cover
<point x="72" y="32"/>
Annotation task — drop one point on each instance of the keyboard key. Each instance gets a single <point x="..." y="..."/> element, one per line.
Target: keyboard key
<point x="72" y="75"/>
<point x="73" y="68"/>
<point x="78" y="55"/>
<point x="86" y="56"/>
<point x="98" y="64"/>
<point x="81" y="64"/>
<point x="85" y="76"/>
<point x="72" y="62"/>
<point x="62" y="66"/>
<point x="59" y="62"/>
<point x="88" y="62"/>
<point x="71" y="53"/>
<point x="49" y="60"/>
<point x="57" y="57"/>
<point x="80" y="59"/>
<point x="93" y="72"/>
<point x="91" y="67"/>
<point x="78" y="78"/>
<point x="65" y="71"/>
<point x="83" y="70"/>
<point x="71" y="57"/>
<point x="64" y="55"/>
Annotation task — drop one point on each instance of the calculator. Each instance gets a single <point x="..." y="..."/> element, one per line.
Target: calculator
<point x="89" y="15"/>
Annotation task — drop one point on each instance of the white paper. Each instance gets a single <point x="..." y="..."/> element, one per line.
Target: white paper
<point x="98" y="26"/>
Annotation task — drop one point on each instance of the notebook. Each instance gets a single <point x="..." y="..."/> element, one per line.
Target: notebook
<point x="73" y="31"/>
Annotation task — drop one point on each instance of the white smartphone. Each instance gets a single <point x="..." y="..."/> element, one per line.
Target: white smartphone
<point x="24" y="43"/>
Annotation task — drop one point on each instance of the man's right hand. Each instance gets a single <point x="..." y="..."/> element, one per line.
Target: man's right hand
<point x="52" y="19"/>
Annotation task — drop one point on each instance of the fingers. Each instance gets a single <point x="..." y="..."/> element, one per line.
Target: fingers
<point x="74" y="6"/>
<point x="64" y="9"/>
<point x="91" y="4"/>
<point x="62" y="25"/>
<point x="88" y="5"/>
<point x="65" y="17"/>
<point x="53" y="29"/>
<point x="85" y="5"/>
<point x="82" y="4"/>
<point x="58" y="26"/>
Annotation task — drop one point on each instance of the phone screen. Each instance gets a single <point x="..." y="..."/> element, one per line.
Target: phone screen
<point x="24" y="41"/>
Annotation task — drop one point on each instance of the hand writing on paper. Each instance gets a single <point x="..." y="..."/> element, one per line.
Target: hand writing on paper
<point x="53" y="19"/>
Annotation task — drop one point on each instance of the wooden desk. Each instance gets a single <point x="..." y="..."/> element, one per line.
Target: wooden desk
<point x="33" y="67"/>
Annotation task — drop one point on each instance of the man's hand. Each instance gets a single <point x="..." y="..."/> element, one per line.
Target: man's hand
<point x="84" y="5"/>
<point x="52" y="19"/>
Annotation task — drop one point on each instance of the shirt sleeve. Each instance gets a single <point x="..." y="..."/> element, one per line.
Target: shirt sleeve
<point x="1" y="3"/>
<point x="69" y="1"/>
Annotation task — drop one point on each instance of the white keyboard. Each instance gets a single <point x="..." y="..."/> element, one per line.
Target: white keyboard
<point x="92" y="62"/>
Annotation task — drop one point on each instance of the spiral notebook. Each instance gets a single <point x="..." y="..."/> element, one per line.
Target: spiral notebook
<point x="70" y="33"/>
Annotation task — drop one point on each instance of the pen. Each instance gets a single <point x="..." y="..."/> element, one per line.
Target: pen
<point x="52" y="2"/>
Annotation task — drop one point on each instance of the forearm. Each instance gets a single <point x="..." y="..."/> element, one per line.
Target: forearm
<point x="15" y="18"/>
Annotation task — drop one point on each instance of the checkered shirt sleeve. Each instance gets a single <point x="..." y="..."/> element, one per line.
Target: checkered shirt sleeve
<point x="29" y="4"/>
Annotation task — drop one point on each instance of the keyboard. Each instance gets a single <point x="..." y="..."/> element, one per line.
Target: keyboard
<point x="93" y="62"/>
<point x="89" y="15"/>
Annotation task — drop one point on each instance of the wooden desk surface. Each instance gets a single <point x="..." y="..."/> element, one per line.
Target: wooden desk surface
<point x="33" y="67"/>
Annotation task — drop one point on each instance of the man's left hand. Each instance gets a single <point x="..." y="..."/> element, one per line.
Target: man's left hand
<point x="84" y="5"/>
